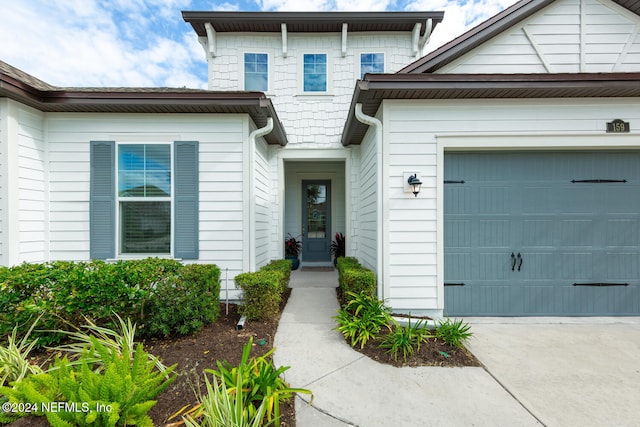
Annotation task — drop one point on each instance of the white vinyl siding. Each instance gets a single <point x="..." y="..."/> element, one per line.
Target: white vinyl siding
<point x="414" y="236"/>
<point x="262" y="194"/>
<point x="367" y="224"/>
<point x="32" y="187"/>
<point x="221" y="139"/>
<point x="561" y="39"/>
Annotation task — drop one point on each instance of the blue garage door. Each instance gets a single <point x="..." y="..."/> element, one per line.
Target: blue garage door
<point x="542" y="233"/>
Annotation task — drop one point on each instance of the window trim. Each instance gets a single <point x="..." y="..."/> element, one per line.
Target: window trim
<point x="329" y="88"/>
<point x="118" y="241"/>
<point x="241" y="76"/>
<point x="365" y="52"/>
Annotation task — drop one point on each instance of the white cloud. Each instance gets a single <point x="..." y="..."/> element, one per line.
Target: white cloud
<point x="84" y="43"/>
<point x="146" y="43"/>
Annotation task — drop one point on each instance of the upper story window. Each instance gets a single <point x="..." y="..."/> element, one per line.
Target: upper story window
<point x="256" y="71"/>
<point x="144" y="198"/>
<point x="315" y="72"/>
<point x="371" y="63"/>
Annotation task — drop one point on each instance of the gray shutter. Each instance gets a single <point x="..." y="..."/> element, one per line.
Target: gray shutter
<point x="186" y="199"/>
<point x="102" y="201"/>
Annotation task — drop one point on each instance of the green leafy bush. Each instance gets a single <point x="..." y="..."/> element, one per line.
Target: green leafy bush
<point x="362" y="318"/>
<point x="405" y="339"/>
<point x="353" y="278"/>
<point x="453" y="332"/>
<point x="184" y="302"/>
<point x="261" y="294"/>
<point x="283" y="266"/>
<point x="260" y="379"/>
<point x="63" y="294"/>
<point x="120" y="393"/>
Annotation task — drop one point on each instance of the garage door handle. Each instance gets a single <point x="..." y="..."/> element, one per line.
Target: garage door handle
<point x="519" y="261"/>
<point x="513" y="262"/>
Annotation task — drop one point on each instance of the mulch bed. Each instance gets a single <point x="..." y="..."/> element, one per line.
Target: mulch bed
<point x="195" y="353"/>
<point x="433" y="352"/>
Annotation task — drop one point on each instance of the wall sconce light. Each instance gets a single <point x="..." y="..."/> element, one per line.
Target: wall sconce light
<point x="415" y="184"/>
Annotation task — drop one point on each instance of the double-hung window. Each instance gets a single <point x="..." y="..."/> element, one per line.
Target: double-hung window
<point x="315" y="72"/>
<point x="256" y="72"/>
<point x="144" y="198"/>
<point x="371" y="63"/>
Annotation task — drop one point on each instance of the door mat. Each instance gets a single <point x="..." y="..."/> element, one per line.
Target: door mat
<point x="316" y="269"/>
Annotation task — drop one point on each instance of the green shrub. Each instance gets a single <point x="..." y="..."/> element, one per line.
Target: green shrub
<point x="63" y="294"/>
<point x="362" y="318"/>
<point x="453" y="332"/>
<point x="284" y="267"/>
<point x="405" y="339"/>
<point x="120" y="393"/>
<point x="184" y="302"/>
<point x="261" y="379"/>
<point x="359" y="281"/>
<point x="261" y="294"/>
<point x="353" y="278"/>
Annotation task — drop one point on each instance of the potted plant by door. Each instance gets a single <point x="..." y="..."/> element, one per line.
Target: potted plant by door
<point x="337" y="247"/>
<point x="292" y="248"/>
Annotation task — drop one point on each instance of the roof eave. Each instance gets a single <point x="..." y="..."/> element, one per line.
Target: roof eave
<point x="376" y="88"/>
<point x="146" y="100"/>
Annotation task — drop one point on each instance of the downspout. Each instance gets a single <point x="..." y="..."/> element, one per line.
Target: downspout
<point x="377" y="126"/>
<point x="253" y="136"/>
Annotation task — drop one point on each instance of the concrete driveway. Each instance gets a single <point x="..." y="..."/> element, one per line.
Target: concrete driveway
<point x="565" y="371"/>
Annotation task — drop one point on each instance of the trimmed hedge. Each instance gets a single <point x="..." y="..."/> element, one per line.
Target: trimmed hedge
<point x="353" y="277"/>
<point x="183" y="303"/>
<point x="62" y="293"/>
<point x="284" y="267"/>
<point x="262" y="291"/>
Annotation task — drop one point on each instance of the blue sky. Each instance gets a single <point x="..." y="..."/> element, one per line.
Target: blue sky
<point x="141" y="43"/>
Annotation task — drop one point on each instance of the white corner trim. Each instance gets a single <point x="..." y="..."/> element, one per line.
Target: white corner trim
<point x="211" y="38"/>
<point x="250" y="203"/>
<point x="344" y="39"/>
<point x="283" y="30"/>
<point x="377" y="126"/>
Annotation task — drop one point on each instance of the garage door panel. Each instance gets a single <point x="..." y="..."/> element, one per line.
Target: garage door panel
<point x="492" y="200"/>
<point x="576" y="266"/>
<point x="567" y="233"/>
<point x="621" y="232"/>
<point x="577" y="232"/>
<point x="579" y="199"/>
<point x="621" y="198"/>
<point x="539" y="266"/>
<point x="494" y="233"/>
<point x="538" y="199"/>
<point x="538" y="233"/>
<point x="541" y="300"/>
<point x="621" y="266"/>
<point x="458" y="200"/>
<point x="493" y="266"/>
<point x="457" y="233"/>
<point x="457" y="266"/>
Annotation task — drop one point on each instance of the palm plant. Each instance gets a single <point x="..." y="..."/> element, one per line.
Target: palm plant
<point x="338" y="246"/>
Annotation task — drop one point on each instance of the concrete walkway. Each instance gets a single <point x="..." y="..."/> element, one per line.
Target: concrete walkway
<point x="352" y="390"/>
